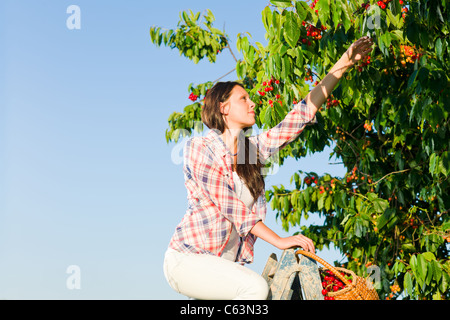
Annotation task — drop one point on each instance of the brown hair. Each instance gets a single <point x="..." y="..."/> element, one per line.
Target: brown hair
<point x="248" y="168"/>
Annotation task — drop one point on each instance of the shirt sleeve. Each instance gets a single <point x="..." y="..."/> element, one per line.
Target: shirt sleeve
<point x="209" y="179"/>
<point x="276" y="138"/>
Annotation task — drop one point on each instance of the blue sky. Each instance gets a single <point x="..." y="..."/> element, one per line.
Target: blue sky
<point x="86" y="175"/>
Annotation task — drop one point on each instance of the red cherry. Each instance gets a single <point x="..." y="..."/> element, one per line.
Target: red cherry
<point x="324" y="292"/>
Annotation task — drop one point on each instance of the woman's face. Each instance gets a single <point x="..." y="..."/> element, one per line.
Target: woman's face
<point x="238" y="110"/>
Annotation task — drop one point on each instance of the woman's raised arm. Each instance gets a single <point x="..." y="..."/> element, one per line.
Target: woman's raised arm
<point x="357" y="51"/>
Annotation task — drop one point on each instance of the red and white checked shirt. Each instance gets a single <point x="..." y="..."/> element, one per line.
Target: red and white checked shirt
<point x="213" y="205"/>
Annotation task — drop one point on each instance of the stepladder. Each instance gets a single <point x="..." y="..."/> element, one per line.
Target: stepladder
<point x="292" y="277"/>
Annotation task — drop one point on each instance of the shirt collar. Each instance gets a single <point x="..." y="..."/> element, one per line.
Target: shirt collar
<point x="218" y="144"/>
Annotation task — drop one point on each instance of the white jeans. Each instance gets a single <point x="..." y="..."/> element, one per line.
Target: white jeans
<point x="207" y="277"/>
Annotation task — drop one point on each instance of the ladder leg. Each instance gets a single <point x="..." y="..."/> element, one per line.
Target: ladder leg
<point x="292" y="279"/>
<point x="310" y="279"/>
<point x="284" y="276"/>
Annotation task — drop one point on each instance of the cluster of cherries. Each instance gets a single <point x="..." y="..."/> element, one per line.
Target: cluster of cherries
<point x="404" y="10"/>
<point x="368" y="126"/>
<point x="313" y="5"/>
<point x="193" y="97"/>
<point x="366" y="5"/>
<point x="332" y="184"/>
<point x="332" y="102"/>
<point x="267" y="86"/>
<point x="382" y="3"/>
<point x="412" y="223"/>
<point x="310" y="180"/>
<point x="312" y="32"/>
<point x="410" y="54"/>
<point x="354" y="177"/>
<point x="395" y="288"/>
<point x="364" y="63"/>
<point x="330" y="283"/>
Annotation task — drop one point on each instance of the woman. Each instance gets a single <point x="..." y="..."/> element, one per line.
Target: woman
<point x="225" y="188"/>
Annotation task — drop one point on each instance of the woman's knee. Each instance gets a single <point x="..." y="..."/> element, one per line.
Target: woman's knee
<point x="262" y="289"/>
<point x="256" y="289"/>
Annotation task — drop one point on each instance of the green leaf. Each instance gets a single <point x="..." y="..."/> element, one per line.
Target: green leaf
<point x="281" y="3"/>
<point x="380" y="205"/>
<point x="438" y="48"/>
<point x="408" y="284"/>
<point x="267" y="17"/>
<point x="349" y="224"/>
<point x="324" y="10"/>
<point x="436" y="270"/>
<point x="385" y="217"/>
<point x="302" y="9"/>
<point x="412" y="31"/>
<point x="429" y="256"/>
<point x="412" y="78"/>
<point x="413" y="264"/>
<point x="445" y="163"/>
<point x="328" y="202"/>
<point x="337" y="13"/>
<point x="445" y="281"/>
<point x="433" y="162"/>
<point x="291" y="29"/>
<point x="421" y="269"/>
<point x="320" y="203"/>
<point x="286" y="204"/>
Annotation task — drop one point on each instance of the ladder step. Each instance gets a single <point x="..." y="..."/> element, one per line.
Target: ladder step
<point x="292" y="277"/>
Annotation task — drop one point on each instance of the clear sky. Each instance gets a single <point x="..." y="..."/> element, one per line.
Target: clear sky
<point x="86" y="176"/>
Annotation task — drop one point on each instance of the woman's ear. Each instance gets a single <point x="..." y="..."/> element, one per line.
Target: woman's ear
<point x="224" y="108"/>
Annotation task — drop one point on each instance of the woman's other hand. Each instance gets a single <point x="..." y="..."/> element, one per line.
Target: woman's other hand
<point x="296" y="241"/>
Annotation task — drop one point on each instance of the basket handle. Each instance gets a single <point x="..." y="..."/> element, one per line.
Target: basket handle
<point x="325" y="264"/>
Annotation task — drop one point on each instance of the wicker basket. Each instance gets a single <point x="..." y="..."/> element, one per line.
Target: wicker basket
<point x="358" y="289"/>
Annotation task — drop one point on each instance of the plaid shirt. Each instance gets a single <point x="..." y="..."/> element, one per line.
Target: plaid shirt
<point x="213" y="205"/>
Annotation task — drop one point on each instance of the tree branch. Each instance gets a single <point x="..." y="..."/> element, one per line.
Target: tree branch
<point x="390" y="173"/>
<point x="231" y="51"/>
<point x="224" y="76"/>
